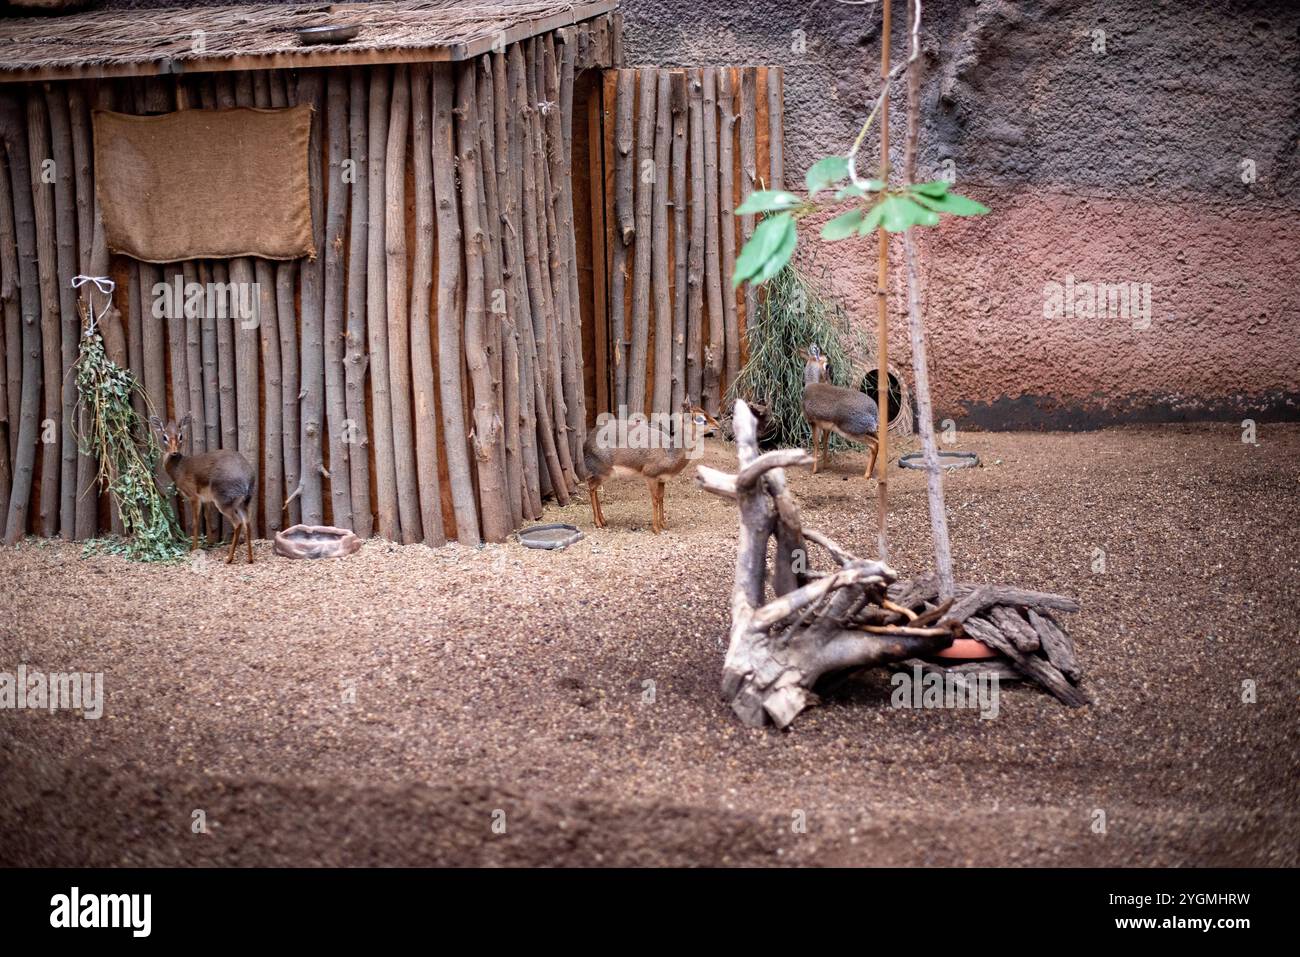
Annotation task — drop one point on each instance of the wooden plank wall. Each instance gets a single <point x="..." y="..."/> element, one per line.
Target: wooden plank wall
<point x="681" y="149"/>
<point x="438" y="190"/>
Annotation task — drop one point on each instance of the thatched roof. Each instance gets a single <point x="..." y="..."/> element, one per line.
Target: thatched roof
<point x="142" y="42"/>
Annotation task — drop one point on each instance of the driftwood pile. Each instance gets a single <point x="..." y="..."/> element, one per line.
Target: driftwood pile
<point x="824" y="624"/>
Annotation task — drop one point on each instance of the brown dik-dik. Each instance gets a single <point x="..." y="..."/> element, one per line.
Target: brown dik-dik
<point x="223" y="479"/>
<point x="641" y="449"/>
<point x="830" y="408"/>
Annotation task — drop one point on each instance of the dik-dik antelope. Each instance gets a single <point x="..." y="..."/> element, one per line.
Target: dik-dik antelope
<point x="223" y="478"/>
<point x="830" y="408"/>
<point x="645" y="451"/>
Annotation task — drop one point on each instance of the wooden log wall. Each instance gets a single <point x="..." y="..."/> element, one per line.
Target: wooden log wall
<point x="680" y="149"/>
<point x="366" y="396"/>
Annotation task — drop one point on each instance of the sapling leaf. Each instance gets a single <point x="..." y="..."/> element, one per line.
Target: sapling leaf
<point x="843" y="225"/>
<point x="900" y="212"/>
<point x="768" y="201"/>
<point x="936" y="188"/>
<point x="825" y="173"/>
<point x="953" y="204"/>
<point x="767" y="251"/>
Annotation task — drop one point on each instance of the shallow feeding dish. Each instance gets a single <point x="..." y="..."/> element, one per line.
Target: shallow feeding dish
<point x="316" y="541"/>
<point x="326" y="34"/>
<point x="554" y="536"/>
<point x="947" y="460"/>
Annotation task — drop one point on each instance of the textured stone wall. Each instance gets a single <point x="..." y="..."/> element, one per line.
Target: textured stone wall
<point x="1110" y="140"/>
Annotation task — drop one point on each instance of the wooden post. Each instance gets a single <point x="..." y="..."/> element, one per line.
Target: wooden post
<point x="422" y="381"/>
<point x="355" y="359"/>
<point x="38" y="148"/>
<point x="13" y="133"/>
<point x="568" y="243"/>
<point x="399" y="347"/>
<point x="681" y="205"/>
<point x="337" y="189"/>
<point x="311" y="347"/>
<point x="776" y="126"/>
<point x="11" y="368"/>
<point x="663" y="351"/>
<point x="748" y="183"/>
<point x="65" y="236"/>
<point x="290" y="364"/>
<point x="695" y="265"/>
<point x="451" y="300"/>
<point x="643" y="258"/>
<point x="713" y="279"/>
<point x="381" y="406"/>
<point x="247" y="338"/>
<point x="727" y="218"/>
<point x="882" y="311"/>
<point x="491" y="475"/>
<point x="625" y="217"/>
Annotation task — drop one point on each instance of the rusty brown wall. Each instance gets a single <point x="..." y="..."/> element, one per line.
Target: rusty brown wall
<point x="1111" y="141"/>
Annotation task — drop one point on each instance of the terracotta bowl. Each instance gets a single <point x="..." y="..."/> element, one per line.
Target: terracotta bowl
<point x="316" y="541"/>
<point x="967" y="649"/>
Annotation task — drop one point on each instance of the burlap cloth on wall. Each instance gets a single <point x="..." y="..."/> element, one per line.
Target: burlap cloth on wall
<point x="205" y="184"/>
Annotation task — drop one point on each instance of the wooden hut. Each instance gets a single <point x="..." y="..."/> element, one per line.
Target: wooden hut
<point x="451" y="263"/>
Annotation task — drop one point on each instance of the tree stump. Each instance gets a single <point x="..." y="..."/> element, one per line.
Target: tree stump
<point x="824" y="624"/>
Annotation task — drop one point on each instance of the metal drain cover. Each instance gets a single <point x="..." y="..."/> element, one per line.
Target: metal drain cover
<point x="553" y="536"/>
<point x="947" y="460"/>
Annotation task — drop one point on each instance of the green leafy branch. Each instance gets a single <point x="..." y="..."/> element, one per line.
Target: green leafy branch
<point x="875" y="205"/>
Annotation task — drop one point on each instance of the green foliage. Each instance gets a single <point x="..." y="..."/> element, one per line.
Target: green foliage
<point x="875" y="206"/>
<point x="791" y="315"/>
<point x="127" y="463"/>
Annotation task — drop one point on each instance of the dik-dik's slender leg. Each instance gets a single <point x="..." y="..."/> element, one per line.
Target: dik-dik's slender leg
<point x="871" y="465"/>
<point x="593" y="497"/>
<point x="248" y="540"/>
<point x="654" y="505"/>
<point x="234" y="541"/>
<point x="196" y="516"/>
<point x="659" y="505"/>
<point x="816" y="445"/>
<point x="826" y="447"/>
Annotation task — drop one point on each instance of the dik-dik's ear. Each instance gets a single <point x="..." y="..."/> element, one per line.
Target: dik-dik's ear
<point x="185" y="421"/>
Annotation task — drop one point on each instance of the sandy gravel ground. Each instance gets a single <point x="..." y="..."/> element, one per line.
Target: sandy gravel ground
<point x="391" y="707"/>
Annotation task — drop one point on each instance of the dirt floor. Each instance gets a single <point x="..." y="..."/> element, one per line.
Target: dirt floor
<point x="508" y="687"/>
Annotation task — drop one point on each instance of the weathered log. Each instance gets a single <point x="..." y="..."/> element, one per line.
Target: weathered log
<point x="18" y="193"/>
<point x="286" y="274"/>
<point x="681" y="204"/>
<point x="491" y="473"/>
<point x="779" y="650"/>
<point x="87" y="511"/>
<point x="451" y="299"/>
<point x="311" y="336"/>
<point x="194" y="305"/>
<point x="578" y="412"/>
<point x="271" y="471"/>
<point x="775" y="126"/>
<point x="381" y="406"/>
<point x="399" y="330"/>
<point x="534" y="351"/>
<point x="355" y="357"/>
<point x="11" y="331"/>
<point x="337" y="189"/>
<point x="695" y="265"/>
<point x="1056" y="644"/>
<point x="727" y="219"/>
<point x="643" y="252"/>
<point x="625" y="227"/>
<point x="245" y="329"/>
<point x="1032" y="666"/>
<point x="494" y="284"/>
<point x="663" y="351"/>
<point x="748" y="183"/>
<point x="422" y="378"/>
<point x="522" y="421"/>
<point x="1009" y="622"/>
<point x="714" y="350"/>
<point x="42" y="187"/>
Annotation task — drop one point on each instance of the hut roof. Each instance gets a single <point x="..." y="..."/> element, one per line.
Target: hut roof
<point x="262" y="36"/>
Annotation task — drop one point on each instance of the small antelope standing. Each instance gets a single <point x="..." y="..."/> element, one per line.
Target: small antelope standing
<point x="223" y="478"/>
<point x="830" y="408"/>
<point x="648" y="452"/>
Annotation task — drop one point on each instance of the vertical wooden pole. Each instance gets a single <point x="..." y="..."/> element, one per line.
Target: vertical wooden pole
<point x="727" y="217"/>
<point x="695" y="263"/>
<point x="882" y="311"/>
<point x="381" y="406"/>
<point x="286" y="274"/>
<point x="340" y="444"/>
<point x="422" y="381"/>
<point x="713" y="279"/>
<point x="247" y="341"/>
<point x="65" y="237"/>
<point x="663" y="353"/>
<point x="355" y="358"/>
<point x="776" y="126"/>
<point x="42" y="187"/>
<point x="569" y="246"/>
<point x="748" y="183"/>
<point x="11" y="369"/>
<point x="643" y="252"/>
<point x="451" y="306"/>
<point x="625" y="232"/>
<point x="271" y="470"/>
<point x="681" y="206"/>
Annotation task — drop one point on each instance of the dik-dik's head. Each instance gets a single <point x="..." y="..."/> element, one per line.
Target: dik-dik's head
<point x="172" y="435"/>
<point x="696" y="423"/>
<point x="815" y="367"/>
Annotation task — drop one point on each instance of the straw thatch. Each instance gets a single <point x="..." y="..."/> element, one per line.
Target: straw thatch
<point x="221" y="37"/>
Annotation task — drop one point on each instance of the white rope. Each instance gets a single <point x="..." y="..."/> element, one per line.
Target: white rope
<point x="106" y="287"/>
